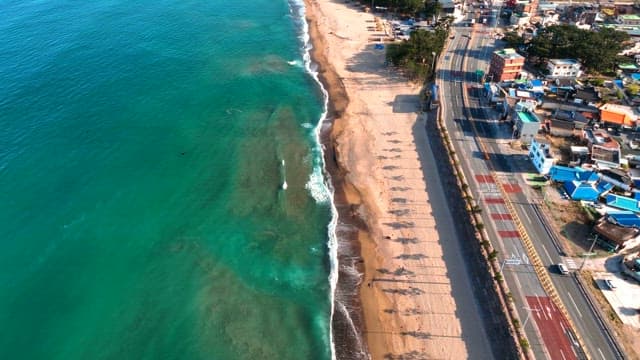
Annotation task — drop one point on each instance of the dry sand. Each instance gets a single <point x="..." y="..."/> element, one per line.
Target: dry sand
<point x="407" y="298"/>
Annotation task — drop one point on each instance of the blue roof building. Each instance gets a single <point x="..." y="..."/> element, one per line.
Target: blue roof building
<point x="563" y="174"/>
<point x="580" y="190"/>
<point x="622" y="202"/>
<point x="604" y="186"/>
<point x="624" y="218"/>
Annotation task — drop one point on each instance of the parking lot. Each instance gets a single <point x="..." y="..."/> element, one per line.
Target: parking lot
<point x="624" y="296"/>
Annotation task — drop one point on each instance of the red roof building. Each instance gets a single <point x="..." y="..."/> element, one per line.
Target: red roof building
<point x="506" y="64"/>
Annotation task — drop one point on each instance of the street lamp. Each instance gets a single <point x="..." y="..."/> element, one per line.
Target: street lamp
<point x="433" y="63"/>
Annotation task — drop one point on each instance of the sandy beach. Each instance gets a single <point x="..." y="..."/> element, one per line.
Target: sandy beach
<point x="381" y="149"/>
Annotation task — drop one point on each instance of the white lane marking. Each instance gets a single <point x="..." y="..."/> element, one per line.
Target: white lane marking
<point x="574" y="304"/>
<point x="601" y="354"/>
<point x="547" y="253"/>
<point x="562" y="353"/>
<point x="527" y="217"/>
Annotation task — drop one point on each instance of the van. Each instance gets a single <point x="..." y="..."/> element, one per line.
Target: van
<point x="562" y="268"/>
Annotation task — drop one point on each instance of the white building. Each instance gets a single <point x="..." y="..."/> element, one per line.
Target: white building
<point x="567" y="68"/>
<point x="540" y="155"/>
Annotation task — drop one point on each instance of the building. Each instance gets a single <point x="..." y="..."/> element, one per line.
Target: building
<point x="562" y="174"/>
<point x="629" y="19"/>
<point x="566" y="123"/>
<point x="622" y="202"/>
<point x="506" y="64"/>
<point x="621" y="115"/>
<point x="526" y="126"/>
<point x="540" y="155"/>
<point x="614" y="237"/>
<point x="582" y="190"/>
<point x="605" y="151"/>
<point x="569" y="68"/>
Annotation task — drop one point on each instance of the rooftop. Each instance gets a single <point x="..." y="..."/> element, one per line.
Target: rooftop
<point x="508" y="54"/>
<point x="527" y="117"/>
<point x="564" y="61"/>
<point x="622" y="202"/>
<point x="629" y="17"/>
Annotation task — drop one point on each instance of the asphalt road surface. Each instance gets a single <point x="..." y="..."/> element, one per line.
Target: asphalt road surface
<point x="457" y="76"/>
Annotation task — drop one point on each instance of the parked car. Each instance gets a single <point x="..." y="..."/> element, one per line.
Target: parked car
<point x="610" y="284"/>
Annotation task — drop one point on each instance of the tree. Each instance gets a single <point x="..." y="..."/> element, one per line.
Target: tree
<point x="513" y="40"/>
<point x="416" y="56"/>
<point x="597" y="51"/>
<point x="431" y="8"/>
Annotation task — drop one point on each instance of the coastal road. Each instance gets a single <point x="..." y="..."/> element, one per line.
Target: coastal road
<point x="524" y="280"/>
<point x="468" y="51"/>
<point x="513" y="166"/>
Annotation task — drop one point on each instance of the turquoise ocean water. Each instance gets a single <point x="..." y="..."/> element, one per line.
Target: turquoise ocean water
<point x="143" y="214"/>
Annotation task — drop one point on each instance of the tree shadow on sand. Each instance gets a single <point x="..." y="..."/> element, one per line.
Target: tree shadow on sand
<point x="410" y="291"/>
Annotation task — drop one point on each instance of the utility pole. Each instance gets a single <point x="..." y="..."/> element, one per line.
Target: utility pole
<point x="589" y="253"/>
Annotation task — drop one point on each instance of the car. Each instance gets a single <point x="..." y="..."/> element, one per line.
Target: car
<point x="562" y="269"/>
<point x="610" y="284"/>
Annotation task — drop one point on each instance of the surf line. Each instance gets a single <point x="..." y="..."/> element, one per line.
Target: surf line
<point x="283" y="174"/>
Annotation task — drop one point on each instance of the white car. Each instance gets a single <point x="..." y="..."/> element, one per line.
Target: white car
<point x="562" y="268"/>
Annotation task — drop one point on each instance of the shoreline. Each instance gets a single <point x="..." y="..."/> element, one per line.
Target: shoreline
<point x="398" y="292"/>
<point x="347" y="324"/>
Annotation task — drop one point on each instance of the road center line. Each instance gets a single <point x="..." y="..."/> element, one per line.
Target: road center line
<point x="546" y="253"/>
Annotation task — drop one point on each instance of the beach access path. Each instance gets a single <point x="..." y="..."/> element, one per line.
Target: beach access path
<point x="416" y="294"/>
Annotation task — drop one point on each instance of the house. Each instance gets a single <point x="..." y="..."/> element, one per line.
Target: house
<point x="629" y="19"/>
<point x="579" y="155"/>
<point x="519" y="19"/>
<point x="617" y="177"/>
<point x="622" y="115"/>
<point x="506" y="64"/>
<point x="569" y="68"/>
<point x="582" y="190"/>
<point x="614" y="237"/>
<point x="535" y="86"/>
<point x="526" y="125"/>
<point x="564" y="123"/>
<point x="562" y="174"/>
<point x="628" y="67"/>
<point x="622" y="202"/>
<point x="561" y="128"/>
<point x="605" y="151"/>
<point x="540" y="155"/>
<point x="588" y="95"/>
<point x="624" y="218"/>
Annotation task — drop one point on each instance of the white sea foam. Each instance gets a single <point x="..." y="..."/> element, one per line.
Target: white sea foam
<point x="318" y="184"/>
<point x="308" y="126"/>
